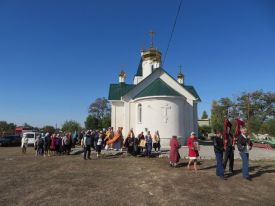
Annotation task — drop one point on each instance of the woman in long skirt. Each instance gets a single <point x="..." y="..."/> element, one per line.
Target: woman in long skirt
<point x="174" y="155"/>
<point x="129" y="142"/>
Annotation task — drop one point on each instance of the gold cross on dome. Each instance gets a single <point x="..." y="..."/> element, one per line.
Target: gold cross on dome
<point x="152" y="33"/>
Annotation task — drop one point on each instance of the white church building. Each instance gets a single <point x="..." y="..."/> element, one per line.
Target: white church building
<point x="155" y="101"/>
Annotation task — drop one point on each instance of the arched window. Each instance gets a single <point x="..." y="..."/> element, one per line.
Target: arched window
<point x="139" y="113"/>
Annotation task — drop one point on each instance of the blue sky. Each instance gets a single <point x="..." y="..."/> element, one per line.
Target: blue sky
<point x="56" y="57"/>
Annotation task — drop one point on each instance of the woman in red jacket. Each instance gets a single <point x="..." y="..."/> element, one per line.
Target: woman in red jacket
<point x="193" y="147"/>
<point x="174" y="155"/>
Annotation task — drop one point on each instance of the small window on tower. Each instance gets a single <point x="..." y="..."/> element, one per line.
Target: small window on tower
<point x="139" y="113"/>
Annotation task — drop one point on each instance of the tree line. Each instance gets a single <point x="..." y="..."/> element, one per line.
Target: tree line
<point x="99" y="116"/>
<point x="256" y="108"/>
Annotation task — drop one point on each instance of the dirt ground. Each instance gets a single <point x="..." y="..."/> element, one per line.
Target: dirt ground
<point x="121" y="180"/>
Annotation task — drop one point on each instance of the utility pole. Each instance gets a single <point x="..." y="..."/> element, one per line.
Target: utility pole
<point x="248" y="112"/>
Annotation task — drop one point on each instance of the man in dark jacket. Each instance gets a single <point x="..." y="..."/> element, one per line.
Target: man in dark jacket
<point x="87" y="142"/>
<point x="218" y="149"/>
<point x="229" y="154"/>
<point x="244" y="146"/>
<point x="228" y="142"/>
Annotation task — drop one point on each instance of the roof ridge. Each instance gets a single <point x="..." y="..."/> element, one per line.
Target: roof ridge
<point x="158" y="88"/>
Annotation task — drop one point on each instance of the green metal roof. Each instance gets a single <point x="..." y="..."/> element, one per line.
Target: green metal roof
<point x="157" y="88"/>
<point x="189" y="88"/>
<point x="139" y="71"/>
<point x="116" y="91"/>
<point x="192" y="90"/>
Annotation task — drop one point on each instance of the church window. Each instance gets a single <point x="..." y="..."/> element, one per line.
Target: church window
<point x="139" y="113"/>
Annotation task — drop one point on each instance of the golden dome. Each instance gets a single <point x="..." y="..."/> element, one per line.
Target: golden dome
<point x="122" y="74"/>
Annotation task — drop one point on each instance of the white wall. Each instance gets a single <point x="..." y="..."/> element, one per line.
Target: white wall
<point x="117" y="114"/>
<point x="195" y="118"/>
<point x="180" y="120"/>
<point x="137" y="79"/>
<point x="148" y="66"/>
<point x="154" y="117"/>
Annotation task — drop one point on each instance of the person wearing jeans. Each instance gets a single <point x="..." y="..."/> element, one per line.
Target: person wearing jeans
<point x="229" y="154"/>
<point x="218" y="149"/>
<point x="245" y="165"/>
<point x="244" y="146"/>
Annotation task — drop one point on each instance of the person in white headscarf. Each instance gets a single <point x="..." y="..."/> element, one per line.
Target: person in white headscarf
<point x="156" y="141"/>
<point x="24" y="144"/>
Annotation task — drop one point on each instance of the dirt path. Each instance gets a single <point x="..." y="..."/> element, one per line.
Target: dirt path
<point x="120" y="180"/>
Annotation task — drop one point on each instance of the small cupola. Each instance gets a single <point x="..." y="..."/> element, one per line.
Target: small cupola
<point x="180" y="77"/>
<point x="122" y="77"/>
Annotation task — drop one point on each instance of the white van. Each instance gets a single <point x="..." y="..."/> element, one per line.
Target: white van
<point x="31" y="137"/>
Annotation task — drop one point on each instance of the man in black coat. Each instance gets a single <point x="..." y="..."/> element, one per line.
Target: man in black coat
<point x="229" y="154"/>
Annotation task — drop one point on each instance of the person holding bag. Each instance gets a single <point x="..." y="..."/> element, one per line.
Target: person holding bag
<point x="142" y="142"/>
<point x="193" y="146"/>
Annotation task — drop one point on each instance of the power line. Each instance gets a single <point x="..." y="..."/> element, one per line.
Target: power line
<point x="172" y="32"/>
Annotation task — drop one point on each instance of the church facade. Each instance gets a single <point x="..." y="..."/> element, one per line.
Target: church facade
<point x="155" y="101"/>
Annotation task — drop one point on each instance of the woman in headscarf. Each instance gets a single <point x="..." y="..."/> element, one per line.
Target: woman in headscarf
<point x="174" y="155"/>
<point x="141" y="142"/>
<point x="129" y="141"/>
<point x="52" y="144"/>
<point x="156" y="141"/>
<point x="109" y="136"/>
<point x="24" y="144"/>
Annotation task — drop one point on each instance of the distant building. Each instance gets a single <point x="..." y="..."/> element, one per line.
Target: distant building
<point x="21" y="129"/>
<point x="155" y="101"/>
<point x="204" y="122"/>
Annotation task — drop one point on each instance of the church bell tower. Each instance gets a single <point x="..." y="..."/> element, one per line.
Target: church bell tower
<point x="150" y="60"/>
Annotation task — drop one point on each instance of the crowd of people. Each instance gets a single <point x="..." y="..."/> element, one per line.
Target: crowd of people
<point x="58" y="143"/>
<point x="225" y="152"/>
<point x="224" y="146"/>
<point x="110" y="140"/>
<point x="51" y="144"/>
